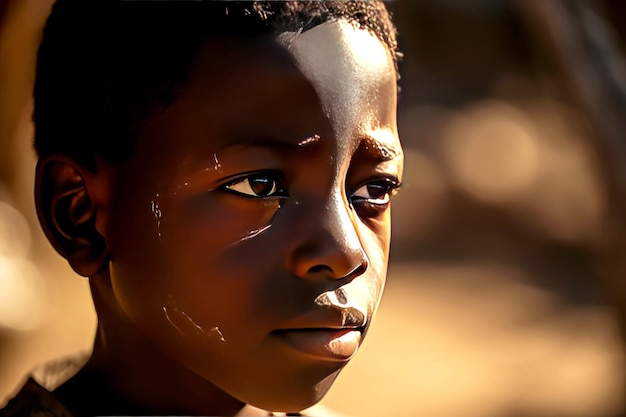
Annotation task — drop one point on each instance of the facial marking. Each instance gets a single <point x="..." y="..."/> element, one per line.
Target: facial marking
<point x="186" y="326"/>
<point x="155" y="207"/>
<point x="309" y="141"/>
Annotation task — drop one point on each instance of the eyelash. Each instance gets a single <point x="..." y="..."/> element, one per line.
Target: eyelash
<point x="380" y="192"/>
<point x="369" y="199"/>
<point x="257" y="180"/>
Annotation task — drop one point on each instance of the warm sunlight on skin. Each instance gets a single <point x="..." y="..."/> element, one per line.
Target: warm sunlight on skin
<point x="249" y="238"/>
<point x="363" y="100"/>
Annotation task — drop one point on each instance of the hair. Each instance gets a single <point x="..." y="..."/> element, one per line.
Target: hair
<point x="104" y="64"/>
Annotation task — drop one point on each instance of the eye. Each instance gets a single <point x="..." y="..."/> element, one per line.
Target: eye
<point x="257" y="185"/>
<point x="373" y="198"/>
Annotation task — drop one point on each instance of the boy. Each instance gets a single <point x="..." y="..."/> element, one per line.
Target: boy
<point x="222" y="173"/>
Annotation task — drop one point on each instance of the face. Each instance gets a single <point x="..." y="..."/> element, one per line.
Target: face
<point x="249" y="232"/>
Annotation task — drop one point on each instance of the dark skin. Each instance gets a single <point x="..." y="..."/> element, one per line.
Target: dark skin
<point x="238" y="256"/>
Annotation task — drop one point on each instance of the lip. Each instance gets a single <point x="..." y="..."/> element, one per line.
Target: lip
<point x="334" y="344"/>
<point x="327" y="317"/>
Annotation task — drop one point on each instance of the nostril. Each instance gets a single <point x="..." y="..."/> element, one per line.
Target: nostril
<point x="320" y="268"/>
<point x="359" y="270"/>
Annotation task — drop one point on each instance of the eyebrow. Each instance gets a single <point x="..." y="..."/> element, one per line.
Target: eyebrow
<point x="375" y="149"/>
<point x="378" y="150"/>
<point x="269" y="141"/>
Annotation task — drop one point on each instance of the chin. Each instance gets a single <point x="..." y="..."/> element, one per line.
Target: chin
<point x="295" y="395"/>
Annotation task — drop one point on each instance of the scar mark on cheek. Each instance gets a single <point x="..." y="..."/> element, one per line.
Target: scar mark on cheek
<point x="188" y="323"/>
<point x="216" y="331"/>
<point x="271" y="208"/>
<point x="156" y="210"/>
<point x="251" y="234"/>
<point x="217" y="166"/>
<point x="309" y="141"/>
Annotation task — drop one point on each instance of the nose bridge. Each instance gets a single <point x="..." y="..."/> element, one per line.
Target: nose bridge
<point x="339" y="225"/>
<point x="331" y="244"/>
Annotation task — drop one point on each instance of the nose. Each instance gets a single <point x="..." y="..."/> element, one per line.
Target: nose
<point x="328" y="245"/>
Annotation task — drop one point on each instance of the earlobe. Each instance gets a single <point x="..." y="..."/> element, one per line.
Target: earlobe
<point x="67" y="213"/>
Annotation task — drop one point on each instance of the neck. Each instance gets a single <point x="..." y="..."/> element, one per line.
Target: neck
<point x="128" y="374"/>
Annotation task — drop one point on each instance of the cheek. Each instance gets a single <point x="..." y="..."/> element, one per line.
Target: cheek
<point x="213" y="223"/>
<point x="375" y="238"/>
<point x="377" y="246"/>
<point x="212" y="270"/>
<point x="134" y="246"/>
<point x="187" y="274"/>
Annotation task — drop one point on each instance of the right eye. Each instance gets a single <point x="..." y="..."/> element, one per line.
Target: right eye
<point x="257" y="185"/>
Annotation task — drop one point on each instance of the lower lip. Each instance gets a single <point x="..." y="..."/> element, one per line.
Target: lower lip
<point x="330" y="344"/>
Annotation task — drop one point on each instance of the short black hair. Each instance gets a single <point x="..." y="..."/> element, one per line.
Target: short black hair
<point x="103" y="64"/>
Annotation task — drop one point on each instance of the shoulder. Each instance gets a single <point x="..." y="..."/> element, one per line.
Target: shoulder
<point x="34" y="401"/>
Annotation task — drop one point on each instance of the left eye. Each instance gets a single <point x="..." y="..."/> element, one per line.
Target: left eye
<point x="374" y="193"/>
<point x="372" y="199"/>
<point x="259" y="185"/>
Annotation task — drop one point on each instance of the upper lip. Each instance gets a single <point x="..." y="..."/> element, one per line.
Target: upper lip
<point x="351" y="314"/>
<point x="336" y="318"/>
<point x="305" y="330"/>
<point x="333" y="310"/>
<point x="322" y="328"/>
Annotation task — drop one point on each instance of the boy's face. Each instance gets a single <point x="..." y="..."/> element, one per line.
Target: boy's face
<point x="249" y="232"/>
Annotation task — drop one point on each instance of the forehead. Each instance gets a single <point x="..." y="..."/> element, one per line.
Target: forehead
<point x="351" y="70"/>
<point x="334" y="80"/>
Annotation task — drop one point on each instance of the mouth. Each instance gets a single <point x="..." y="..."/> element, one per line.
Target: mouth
<point x="352" y="314"/>
<point x="327" y="343"/>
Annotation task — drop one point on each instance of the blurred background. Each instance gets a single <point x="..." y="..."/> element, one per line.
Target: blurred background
<point x="507" y="284"/>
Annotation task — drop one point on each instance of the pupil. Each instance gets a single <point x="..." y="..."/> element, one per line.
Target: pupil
<point x="261" y="186"/>
<point x="376" y="191"/>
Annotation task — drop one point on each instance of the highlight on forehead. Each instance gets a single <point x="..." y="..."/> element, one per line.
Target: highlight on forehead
<point x="370" y="15"/>
<point x="135" y="56"/>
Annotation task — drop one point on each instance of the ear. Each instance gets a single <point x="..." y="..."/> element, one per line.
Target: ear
<point x="67" y="213"/>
